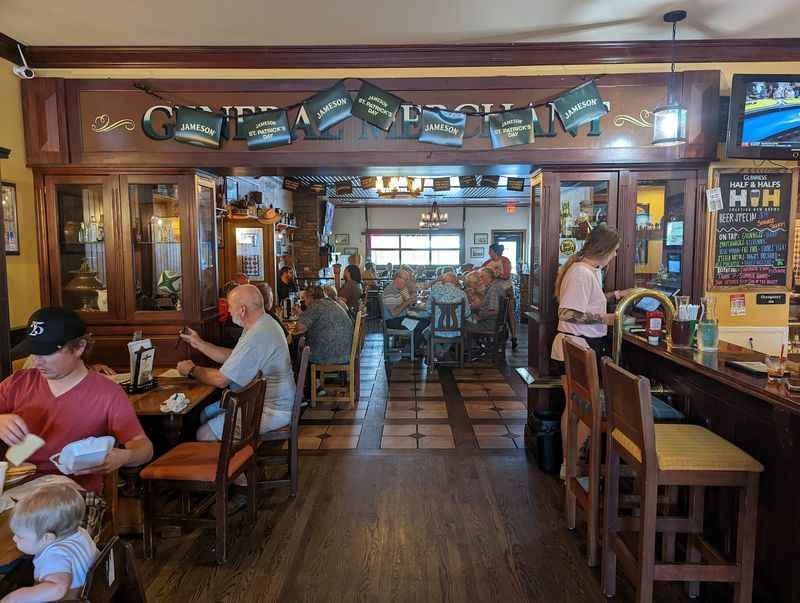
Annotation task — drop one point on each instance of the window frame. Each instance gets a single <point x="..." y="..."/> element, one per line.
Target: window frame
<point x="400" y="232"/>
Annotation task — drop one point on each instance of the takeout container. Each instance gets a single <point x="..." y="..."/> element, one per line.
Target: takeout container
<point x="83" y="454"/>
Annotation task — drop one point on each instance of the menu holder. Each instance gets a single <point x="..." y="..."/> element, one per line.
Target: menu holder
<point x="142" y="378"/>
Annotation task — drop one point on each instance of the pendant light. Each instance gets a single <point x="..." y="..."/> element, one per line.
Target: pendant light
<point x="669" y="120"/>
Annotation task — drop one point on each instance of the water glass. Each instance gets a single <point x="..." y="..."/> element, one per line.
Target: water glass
<point x="776" y="366"/>
<point x="708" y="335"/>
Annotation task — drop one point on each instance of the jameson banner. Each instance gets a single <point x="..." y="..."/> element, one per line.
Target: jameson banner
<point x="580" y="106"/>
<point x="329" y="107"/>
<point x="267" y="130"/>
<point x="443" y="127"/>
<point x="199" y="128"/>
<point x="511" y="128"/>
<point x="376" y="106"/>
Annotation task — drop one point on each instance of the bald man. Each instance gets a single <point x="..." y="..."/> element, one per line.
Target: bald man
<point x="262" y="347"/>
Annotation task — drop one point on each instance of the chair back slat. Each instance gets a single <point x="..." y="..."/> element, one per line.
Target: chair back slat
<point x="300" y="384"/>
<point x="354" y="347"/>
<point x="502" y="317"/>
<point x="630" y="410"/>
<point x="583" y="381"/>
<point x="243" y="411"/>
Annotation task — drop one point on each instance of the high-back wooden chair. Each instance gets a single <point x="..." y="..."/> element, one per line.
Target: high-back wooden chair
<point x="584" y="404"/>
<point x="113" y="576"/>
<point x="673" y="455"/>
<point x="495" y="338"/>
<point x="319" y="373"/>
<point x="394" y="353"/>
<point x="209" y="468"/>
<point x="269" y="454"/>
<point x="447" y="327"/>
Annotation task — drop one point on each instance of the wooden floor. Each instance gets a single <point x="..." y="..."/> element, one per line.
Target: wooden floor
<point x="373" y="523"/>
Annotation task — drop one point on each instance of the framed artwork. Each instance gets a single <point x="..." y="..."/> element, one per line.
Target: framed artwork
<point x="476" y="252"/>
<point x="348" y="251"/>
<point x="341" y="239"/>
<point x="480" y="238"/>
<point x="8" y="192"/>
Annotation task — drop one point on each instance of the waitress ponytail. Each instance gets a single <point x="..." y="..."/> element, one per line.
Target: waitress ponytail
<point x="602" y="240"/>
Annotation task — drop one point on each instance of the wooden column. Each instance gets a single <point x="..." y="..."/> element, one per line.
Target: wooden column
<point x="5" y="323"/>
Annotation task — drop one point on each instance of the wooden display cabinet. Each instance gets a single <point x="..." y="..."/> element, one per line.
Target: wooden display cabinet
<point x="130" y="251"/>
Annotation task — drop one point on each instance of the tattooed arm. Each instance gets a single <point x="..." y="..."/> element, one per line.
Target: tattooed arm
<point x="584" y="318"/>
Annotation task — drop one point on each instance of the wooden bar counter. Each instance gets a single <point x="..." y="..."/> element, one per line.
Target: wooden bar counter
<point x="761" y="418"/>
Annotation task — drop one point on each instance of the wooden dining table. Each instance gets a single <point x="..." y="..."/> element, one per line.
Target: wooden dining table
<point x="149" y="403"/>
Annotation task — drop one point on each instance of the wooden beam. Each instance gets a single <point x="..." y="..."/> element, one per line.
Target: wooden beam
<point x="8" y="49"/>
<point x="419" y="55"/>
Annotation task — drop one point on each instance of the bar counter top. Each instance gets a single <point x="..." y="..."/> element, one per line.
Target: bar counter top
<point x="712" y="365"/>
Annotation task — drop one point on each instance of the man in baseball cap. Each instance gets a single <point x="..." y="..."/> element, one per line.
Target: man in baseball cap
<point x="62" y="401"/>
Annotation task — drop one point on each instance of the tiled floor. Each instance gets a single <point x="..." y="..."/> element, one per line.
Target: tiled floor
<point x="422" y="408"/>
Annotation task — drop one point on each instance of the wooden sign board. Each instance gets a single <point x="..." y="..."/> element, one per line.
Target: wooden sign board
<point x="751" y="240"/>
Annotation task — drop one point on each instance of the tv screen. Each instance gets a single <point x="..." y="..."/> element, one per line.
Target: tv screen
<point x="764" y="118"/>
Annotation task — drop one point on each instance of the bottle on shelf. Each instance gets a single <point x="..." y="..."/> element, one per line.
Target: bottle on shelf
<point x="92" y="233"/>
<point x="101" y="233"/>
<point x="82" y="233"/>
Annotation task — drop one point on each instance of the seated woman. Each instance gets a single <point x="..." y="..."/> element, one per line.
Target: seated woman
<point x="446" y="291"/>
<point x="474" y="288"/>
<point x="328" y="328"/>
<point x="501" y="266"/>
<point x="395" y="307"/>
<point x="370" y="276"/>
<point x="485" y="318"/>
<point x="351" y="291"/>
<point x="269" y="304"/>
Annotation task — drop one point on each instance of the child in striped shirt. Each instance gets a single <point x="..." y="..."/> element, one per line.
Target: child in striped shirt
<point x="46" y="524"/>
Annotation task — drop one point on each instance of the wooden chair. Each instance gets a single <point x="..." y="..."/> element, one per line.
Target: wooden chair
<point x="348" y="393"/>
<point x="209" y="468"/>
<point x="113" y="576"/>
<point x="495" y="338"/>
<point x="674" y="455"/>
<point x="447" y="318"/>
<point x="391" y="353"/>
<point x="269" y="455"/>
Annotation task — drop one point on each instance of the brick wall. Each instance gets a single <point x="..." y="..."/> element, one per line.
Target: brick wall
<point x="306" y="237"/>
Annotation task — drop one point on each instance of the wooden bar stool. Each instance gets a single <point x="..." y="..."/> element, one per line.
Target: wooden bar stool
<point x="586" y="404"/>
<point x="671" y="455"/>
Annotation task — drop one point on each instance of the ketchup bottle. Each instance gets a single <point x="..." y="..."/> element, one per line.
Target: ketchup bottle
<point x="654" y="325"/>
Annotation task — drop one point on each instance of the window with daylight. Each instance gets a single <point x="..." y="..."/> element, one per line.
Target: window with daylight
<point x="416" y="248"/>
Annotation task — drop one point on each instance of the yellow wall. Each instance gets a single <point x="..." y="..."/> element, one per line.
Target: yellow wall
<point x="23" y="269"/>
<point x="654" y="196"/>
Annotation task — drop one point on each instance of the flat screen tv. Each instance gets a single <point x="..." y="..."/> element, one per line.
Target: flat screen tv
<point x="764" y="117"/>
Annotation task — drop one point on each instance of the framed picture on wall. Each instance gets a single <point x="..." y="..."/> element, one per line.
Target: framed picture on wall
<point x="8" y="193"/>
<point x="476" y="252"/>
<point x="341" y="239"/>
<point x="348" y="251"/>
<point x="480" y="238"/>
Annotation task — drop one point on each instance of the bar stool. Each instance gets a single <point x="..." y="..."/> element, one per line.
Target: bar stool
<point x="586" y="404"/>
<point x="672" y="455"/>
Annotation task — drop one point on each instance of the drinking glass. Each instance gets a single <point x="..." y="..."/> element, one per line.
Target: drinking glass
<point x="708" y="335"/>
<point x="775" y="367"/>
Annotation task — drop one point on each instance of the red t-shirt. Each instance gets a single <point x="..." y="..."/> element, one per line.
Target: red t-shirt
<point x="94" y="407"/>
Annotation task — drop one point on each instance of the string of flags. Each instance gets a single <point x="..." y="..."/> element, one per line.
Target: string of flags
<point x="269" y="129"/>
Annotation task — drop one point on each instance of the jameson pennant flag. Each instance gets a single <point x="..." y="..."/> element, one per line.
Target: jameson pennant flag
<point x="467" y="181"/>
<point x="291" y="184"/>
<point x="376" y="106"/>
<point x="511" y="128"/>
<point x="580" y="106"/>
<point x="515" y="184"/>
<point x="443" y="127"/>
<point x="369" y="181"/>
<point x="199" y="128"/>
<point x="329" y="107"/>
<point x="441" y="184"/>
<point x="267" y="130"/>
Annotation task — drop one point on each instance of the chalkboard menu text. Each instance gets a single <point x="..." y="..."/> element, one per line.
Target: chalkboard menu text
<point x="751" y="244"/>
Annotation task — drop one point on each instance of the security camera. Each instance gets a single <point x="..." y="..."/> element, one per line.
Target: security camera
<point x="24" y="72"/>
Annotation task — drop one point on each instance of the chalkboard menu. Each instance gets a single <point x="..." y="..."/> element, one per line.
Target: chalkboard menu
<point x="751" y="243"/>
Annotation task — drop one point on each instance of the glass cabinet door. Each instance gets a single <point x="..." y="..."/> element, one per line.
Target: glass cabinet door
<point x="207" y="242"/>
<point x="82" y="273"/>
<point x="157" y="225"/>
<point x="663" y="232"/>
<point x="535" y="255"/>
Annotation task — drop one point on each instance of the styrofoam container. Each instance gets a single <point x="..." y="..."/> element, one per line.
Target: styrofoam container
<point x="83" y="454"/>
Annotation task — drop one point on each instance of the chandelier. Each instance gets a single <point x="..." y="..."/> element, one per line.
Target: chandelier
<point x="398" y="186"/>
<point x="433" y="219"/>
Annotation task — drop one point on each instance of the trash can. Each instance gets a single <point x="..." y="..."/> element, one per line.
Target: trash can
<point x="547" y="441"/>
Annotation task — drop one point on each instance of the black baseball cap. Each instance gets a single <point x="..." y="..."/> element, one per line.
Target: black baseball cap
<point x="49" y="329"/>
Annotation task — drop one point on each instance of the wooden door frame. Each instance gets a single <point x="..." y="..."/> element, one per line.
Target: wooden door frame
<point x="513" y="231"/>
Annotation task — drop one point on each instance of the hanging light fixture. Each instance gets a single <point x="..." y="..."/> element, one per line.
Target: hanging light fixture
<point x="432" y="219"/>
<point x="669" y="120"/>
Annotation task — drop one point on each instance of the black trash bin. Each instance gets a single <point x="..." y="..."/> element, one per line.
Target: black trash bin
<point x="547" y="441"/>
